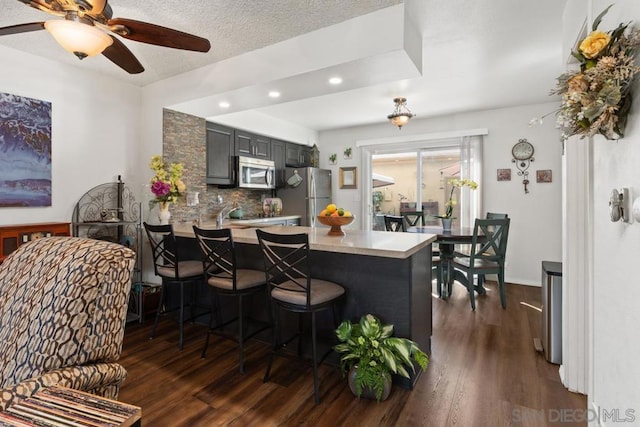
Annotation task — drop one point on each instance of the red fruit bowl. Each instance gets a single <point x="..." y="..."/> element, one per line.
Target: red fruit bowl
<point x="335" y="222"/>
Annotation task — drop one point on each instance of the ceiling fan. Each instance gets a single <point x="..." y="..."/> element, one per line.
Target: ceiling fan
<point x="84" y="31"/>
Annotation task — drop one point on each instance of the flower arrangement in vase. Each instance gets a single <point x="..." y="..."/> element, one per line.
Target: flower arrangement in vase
<point x="166" y="184"/>
<point x="456" y="183"/>
<point x="597" y="98"/>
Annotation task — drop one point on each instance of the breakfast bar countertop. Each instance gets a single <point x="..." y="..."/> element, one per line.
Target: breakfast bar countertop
<point x="358" y="242"/>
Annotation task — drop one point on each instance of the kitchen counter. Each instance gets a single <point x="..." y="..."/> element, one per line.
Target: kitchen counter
<point x="384" y="273"/>
<point x="358" y="242"/>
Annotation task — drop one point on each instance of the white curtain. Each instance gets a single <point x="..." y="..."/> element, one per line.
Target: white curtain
<point x="471" y="168"/>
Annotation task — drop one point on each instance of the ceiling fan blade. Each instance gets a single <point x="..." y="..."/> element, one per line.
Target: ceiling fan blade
<point x="159" y="36"/>
<point x="43" y="5"/>
<point x="21" y="28"/>
<point x="97" y="6"/>
<point x="120" y="55"/>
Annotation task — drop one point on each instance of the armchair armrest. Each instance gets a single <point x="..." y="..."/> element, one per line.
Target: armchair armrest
<point x="103" y="379"/>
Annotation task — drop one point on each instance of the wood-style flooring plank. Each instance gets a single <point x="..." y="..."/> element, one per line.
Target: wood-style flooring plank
<point x="483" y="371"/>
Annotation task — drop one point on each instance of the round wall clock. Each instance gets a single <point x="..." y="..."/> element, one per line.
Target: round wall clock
<point x="522" y="150"/>
<point x="522" y="153"/>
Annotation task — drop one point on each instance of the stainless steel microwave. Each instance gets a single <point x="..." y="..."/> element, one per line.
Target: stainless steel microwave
<point x="255" y="173"/>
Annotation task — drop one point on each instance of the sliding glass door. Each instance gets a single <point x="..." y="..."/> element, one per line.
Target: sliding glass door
<point x="418" y="178"/>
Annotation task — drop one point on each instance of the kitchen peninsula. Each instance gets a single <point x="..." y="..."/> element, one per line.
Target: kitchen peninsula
<point x="386" y="274"/>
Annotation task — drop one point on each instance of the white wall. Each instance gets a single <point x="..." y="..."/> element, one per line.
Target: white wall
<point x="616" y="315"/>
<point x="95" y="129"/>
<point x="535" y="233"/>
<point x="264" y="124"/>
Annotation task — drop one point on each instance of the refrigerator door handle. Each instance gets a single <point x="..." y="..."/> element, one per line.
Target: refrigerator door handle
<point x="312" y="188"/>
<point x="313" y="212"/>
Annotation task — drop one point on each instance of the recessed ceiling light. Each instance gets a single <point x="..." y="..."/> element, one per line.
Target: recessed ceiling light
<point x="335" y="80"/>
<point x="224" y="104"/>
<point x="274" y="94"/>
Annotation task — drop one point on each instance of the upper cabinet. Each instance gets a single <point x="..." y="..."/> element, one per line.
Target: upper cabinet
<point x="251" y="145"/>
<point x="225" y="143"/>
<point x="297" y="155"/>
<point x="220" y="152"/>
<point x="278" y="157"/>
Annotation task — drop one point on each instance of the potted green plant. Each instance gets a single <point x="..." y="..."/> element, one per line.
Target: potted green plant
<point x="370" y="354"/>
<point x="377" y="197"/>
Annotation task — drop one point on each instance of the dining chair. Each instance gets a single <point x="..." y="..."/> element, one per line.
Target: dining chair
<point x="494" y="215"/>
<point x="287" y="268"/>
<point x="487" y="255"/>
<point x="414" y="218"/>
<point x="172" y="269"/>
<point x="394" y="223"/>
<point x="491" y="215"/>
<point x="226" y="279"/>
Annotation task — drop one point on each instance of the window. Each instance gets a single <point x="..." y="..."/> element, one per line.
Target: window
<point x="414" y="174"/>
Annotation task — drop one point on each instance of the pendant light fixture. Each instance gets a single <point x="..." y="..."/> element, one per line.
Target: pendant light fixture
<point x="401" y="114"/>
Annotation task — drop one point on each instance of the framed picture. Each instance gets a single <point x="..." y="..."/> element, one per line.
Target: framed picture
<point x="543" y="175"/>
<point x="25" y="151"/>
<point x="504" y="174"/>
<point x="349" y="178"/>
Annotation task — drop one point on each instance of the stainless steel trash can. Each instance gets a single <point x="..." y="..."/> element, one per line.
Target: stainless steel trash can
<point x="552" y="311"/>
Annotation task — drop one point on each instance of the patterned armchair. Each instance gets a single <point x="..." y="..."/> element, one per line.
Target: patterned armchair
<point x="63" y="304"/>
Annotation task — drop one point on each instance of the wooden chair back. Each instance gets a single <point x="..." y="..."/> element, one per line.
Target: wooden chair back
<point x="414" y="218"/>
<point x="495" y="215"/>
<point x="394" y="223"/>
<point x="489" y="242"/>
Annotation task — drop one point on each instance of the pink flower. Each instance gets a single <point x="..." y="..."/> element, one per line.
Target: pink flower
<point x="160" y="188"/>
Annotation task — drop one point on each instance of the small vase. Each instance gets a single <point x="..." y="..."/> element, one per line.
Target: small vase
<point x="164" y="215"/>
<point x="446" y="224"/>
<point x="367" y="393"/>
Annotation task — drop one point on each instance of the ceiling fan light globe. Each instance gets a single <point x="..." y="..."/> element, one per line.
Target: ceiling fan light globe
<point x="80" y="39"/>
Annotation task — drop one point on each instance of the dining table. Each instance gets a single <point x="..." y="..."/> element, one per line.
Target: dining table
<point x="447" y="240"/>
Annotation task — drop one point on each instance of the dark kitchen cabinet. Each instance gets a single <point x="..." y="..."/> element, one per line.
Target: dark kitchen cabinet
<point x="220" y="155"/>
<point x="251" y="145"/>
<point x="297" y="155"/>
<point x="278" y="157"/>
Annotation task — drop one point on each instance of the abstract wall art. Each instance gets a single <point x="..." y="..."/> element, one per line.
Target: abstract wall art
<point x="25" y="151"/>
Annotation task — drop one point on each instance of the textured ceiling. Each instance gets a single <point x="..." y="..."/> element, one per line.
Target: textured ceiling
<point x="476" y="54"/>
<point x="232" y="26"/>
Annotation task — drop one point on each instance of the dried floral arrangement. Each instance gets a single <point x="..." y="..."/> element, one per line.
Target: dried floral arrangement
<point x="597" y="98"/>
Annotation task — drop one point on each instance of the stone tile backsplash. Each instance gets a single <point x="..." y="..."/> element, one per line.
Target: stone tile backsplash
<point x="184" y="141"/>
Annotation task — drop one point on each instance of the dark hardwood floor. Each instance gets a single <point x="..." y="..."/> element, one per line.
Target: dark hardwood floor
<point x="483" y="371"/>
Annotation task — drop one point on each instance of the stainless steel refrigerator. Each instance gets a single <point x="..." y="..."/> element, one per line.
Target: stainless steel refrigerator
<point x="307" y="191"/>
